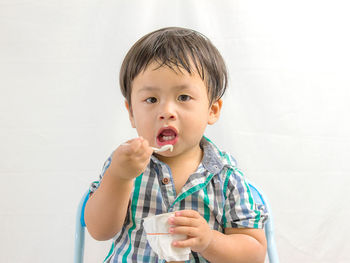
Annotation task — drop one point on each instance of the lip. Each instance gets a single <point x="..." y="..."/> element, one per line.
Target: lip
<point x="167" y="142"/>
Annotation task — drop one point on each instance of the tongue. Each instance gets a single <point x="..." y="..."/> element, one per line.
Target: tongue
<point x="166" y="136"/>
<point x="168" y="133"/>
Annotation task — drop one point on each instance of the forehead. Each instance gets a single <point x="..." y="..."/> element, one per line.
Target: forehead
<point x="156" y="76"/>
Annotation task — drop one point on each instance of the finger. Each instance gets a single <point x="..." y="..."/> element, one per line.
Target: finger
<point x="124" y="148"/>
<point x="132" y="146"/>
<point x="146" y="148"/>
<point x="191" y="242"/>
<point x="183" y="221"/>
<point x="188" y="213"/>
<point x="184" y="230"/>
<point x="144" y="152"/>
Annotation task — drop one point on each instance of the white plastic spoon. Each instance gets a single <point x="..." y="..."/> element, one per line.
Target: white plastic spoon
<point x="163" y="148"/>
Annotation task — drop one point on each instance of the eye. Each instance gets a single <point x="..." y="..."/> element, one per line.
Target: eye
<point x="184" y="97"/>
<point x="151" y="100"/>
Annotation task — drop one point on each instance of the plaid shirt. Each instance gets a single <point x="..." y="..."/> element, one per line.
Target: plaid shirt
<point x="217" y="190"/>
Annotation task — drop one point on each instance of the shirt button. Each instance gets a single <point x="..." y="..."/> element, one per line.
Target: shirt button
<point x="165" y="180"/>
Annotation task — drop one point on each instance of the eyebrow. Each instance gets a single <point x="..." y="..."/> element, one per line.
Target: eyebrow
<point x="148" y="88"/>
<point x="153" y="88"/>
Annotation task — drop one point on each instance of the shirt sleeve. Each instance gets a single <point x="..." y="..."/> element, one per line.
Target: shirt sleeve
<point x="94" y="185"/>
<point x="240" y="209"/>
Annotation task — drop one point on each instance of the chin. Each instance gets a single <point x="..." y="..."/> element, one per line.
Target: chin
<point x="167" y="154"/>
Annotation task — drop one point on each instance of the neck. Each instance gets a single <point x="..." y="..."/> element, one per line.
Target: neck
<point x="188" y="161"/>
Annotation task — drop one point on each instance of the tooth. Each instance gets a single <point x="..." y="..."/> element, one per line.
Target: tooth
<point x="167" y="138"/>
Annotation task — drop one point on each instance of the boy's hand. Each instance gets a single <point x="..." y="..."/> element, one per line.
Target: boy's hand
<point x="129" y="160"/>
<point x="192" y="224"/>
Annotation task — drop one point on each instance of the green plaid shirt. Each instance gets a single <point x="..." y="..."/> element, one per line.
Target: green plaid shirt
<point x="217" y="190"/>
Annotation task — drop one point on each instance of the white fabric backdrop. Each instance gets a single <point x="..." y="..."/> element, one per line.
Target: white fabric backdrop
<point x="285" y="115"/>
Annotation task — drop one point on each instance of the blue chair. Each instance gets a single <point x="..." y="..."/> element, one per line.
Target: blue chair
<point x="80" y="225"/>
<point x="258" y="198"/>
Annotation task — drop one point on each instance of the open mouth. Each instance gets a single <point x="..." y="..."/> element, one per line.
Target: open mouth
<point x="167" y="135"/>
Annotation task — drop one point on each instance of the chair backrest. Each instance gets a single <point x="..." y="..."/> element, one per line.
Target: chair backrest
<point x="79" y="242"/>
<point x="258" y="196"/>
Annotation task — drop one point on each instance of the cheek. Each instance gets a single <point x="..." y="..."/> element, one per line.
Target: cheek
<point x="143" y="124"/>
<point x="197" y="122"/>
<point x="140" y="121"/>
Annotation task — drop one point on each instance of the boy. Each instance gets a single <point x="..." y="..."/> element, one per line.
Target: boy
<point x="173" y="80"/>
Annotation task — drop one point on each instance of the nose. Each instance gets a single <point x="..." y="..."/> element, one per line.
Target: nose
<point x="167" y="112"/>
<point x="167" y="116"/>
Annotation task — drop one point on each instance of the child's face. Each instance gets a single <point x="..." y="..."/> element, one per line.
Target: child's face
<point x="169" y="107"/>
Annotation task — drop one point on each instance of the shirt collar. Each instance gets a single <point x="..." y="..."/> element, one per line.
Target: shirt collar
<point x="213" y="159"/>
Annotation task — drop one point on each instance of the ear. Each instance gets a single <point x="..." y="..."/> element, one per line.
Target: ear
<point x="131" y="117"/>
<point x="214" y="111"/>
